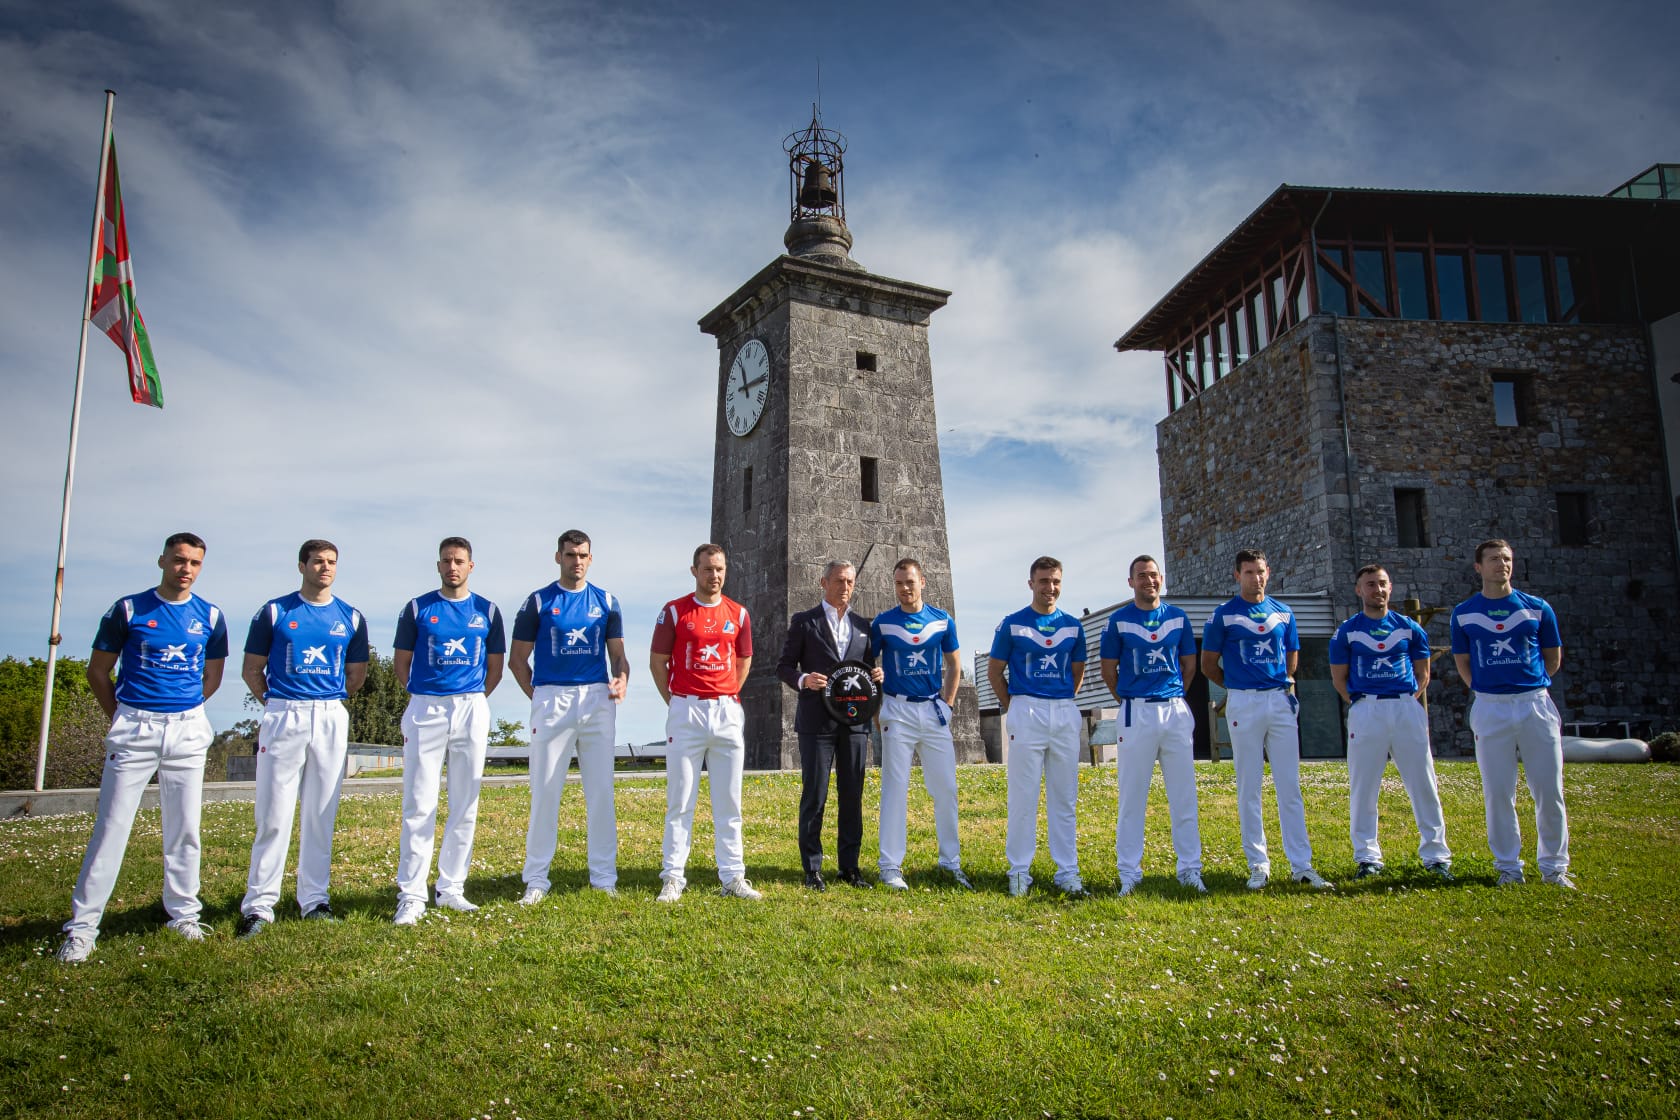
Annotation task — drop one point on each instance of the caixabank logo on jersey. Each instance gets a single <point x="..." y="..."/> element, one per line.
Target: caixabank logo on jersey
<point x="851" y="695"/>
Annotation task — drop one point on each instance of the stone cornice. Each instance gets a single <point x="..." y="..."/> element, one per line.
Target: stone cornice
<point x="790" y="279"/>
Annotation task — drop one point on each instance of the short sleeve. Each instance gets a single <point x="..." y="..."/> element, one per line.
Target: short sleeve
<point x="113" y="630"/>
<point x="1213" y="634"/>
<point x="1000" y="642"/>
<point x="260" y="639"/>
<point x="1340" y="654"/>
<point x="743" y="641"/>
<point x="1460" y="640"/>
<point x="407" y="631"/>
<point x="216" y="649"/>
<point x="614" y="626"/>
<point x="1549" y="638"/>
<point x="497" y="640"/>
<point x="1421" y="651"/>
<point x="357" y="650"/>
<point x="664" y="632"/>
<point x="525" y="622"/>
<point x="1109" y="647"/>
<point x="951" y="645"/>
<point x="1186" y="639"/>
<point x="1291" y="636"/>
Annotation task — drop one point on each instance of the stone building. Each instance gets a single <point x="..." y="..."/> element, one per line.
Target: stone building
<point x="1358" y="376"/>
<point x="837" y="456"/>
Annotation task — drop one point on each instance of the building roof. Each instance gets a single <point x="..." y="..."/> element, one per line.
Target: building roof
<point x="1313" y="619"/>
<point x="1291" y="211"/>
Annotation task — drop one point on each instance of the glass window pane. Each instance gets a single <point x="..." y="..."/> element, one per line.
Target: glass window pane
<point x="1567" y="311"/>
<point x="1301" y="303"/>
<point x="1257" y="314"/>
<point x="1332" y="293"/>
<point x="1451" y="286"/>
<point x="1279" y="308"/>
<point x="1531" y="288"/>
<point x="1505" y="404"/>
<point x="1224" y="347"/>
<point x="1239" y="334"/>
<point x="1413" y="284"/>
<point x="1371" y="274"/>
<point x="1490" y="287"/>
<point x="1210" y="360"/>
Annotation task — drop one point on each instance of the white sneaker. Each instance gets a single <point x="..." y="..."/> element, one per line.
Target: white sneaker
<point x="1312" y="879"/>
<point x="1258" y="877"/>
<point x="456" y="902"/>
<point x="409" y="912"/>
<point x="671" y="891"/>
<point x="894" y="881"/>
<point x="189" y="929"/>
<point x="77" y="948"/>
<point x="1072" y="886"/>
<point x="738" y="887"/>
<point x="1559" y="879"/>
<point x="1193" y="880"/>
<point x="1127" y="886"/>
<point x="1512" y="878"/>
<point x="532" y="896"/>
<point x="960" y="879"/>
<point x="1018" y="884"/>
<point x="610" y="892"/>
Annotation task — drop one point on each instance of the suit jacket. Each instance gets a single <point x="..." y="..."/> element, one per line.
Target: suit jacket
<point x="810" y="649"/>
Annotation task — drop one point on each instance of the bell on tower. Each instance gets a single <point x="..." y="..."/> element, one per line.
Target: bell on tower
<point x="817" y="195"/>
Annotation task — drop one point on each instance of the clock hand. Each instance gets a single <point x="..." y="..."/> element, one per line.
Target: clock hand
<point x="745" y="385"/>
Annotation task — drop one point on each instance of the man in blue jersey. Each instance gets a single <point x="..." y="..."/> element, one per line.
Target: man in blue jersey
<point x="448" y="653"/>
<point x="1043" y="651"/>
<point x="576" y="631"/>
<point x="172" y="646"/>
<point x="1379" y="663"/>
<point x="921" y="669"/>
<point x="1250" y="648"/>
<point x="1148" y="658"/>
<point x="1506" y="646"/>
<point x="305" y="655"/>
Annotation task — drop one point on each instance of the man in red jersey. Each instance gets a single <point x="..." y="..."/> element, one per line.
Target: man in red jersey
<point x="702" y="650"/>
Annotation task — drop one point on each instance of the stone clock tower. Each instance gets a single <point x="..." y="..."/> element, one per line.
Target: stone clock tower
<point x="827" y="448"/>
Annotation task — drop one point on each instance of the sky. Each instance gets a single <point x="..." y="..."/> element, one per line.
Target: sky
<point x="414" y="269"/>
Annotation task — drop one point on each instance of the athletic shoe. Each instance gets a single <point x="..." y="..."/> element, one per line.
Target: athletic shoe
<point x="738" y="887"/>
<point x="1018" y="884"/>
<point x="1193" y="880"/>
<point x="323" y="912"/>
<point x="189" y="929"/>
<point x="959" y="878"/>
<point x="1127" y="886"/>
<point x="409" y="912"/>
<point x="1559" y="879"/>
<point x="532" y="896"/>
<point x="1368" y="871"/>
<point x="250" y="925"/>
<point x="456" y="902"/>
<point x="1313" y="879"/>
<point x="1441" y="871"/>
<point x="77" y="948"/>
<point x="894" y="881"/>
<point x="1073" y="886"/>
<point x="1512" y="878"/>
<point x="671" y="891"/>
<point x="610" y="892"/>
<point x="1258" y="877"/>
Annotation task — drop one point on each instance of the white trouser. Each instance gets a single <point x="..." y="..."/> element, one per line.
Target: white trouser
<point x="924" y="729"/>
<point x="436" y="728"/>
<point x="570" y="719"/>
<point x="1525" y="726"/>
<point x="1263" y="728"/>
<point x="1376" y="728"/>
<point x="1043" y="743"/>
<point x="300" y="754"/>
<point x="704" y="732"/>
<point x="140" y="744"/>
<point x="1149" y="730"/>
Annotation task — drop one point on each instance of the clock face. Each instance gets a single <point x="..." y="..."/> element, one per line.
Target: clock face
<point x="746" y="387"/>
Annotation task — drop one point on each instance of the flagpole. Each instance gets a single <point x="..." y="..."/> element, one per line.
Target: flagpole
<point x="53" y="636"/>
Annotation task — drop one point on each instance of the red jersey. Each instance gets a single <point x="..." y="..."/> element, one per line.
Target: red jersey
<point x="704" y="643"/>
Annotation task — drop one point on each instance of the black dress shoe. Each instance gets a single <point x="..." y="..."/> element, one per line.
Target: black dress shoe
<point x="854" y="878"/>
<point x="814" y="880"/>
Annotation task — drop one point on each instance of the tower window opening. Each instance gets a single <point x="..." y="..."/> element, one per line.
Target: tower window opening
<point x="870" y="469"/>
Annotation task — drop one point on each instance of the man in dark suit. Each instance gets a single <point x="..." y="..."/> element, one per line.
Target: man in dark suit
<point x="817" y="641"/>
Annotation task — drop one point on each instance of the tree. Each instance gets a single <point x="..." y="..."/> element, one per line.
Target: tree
<point x="376" y="711"/>
<point x="507" y="734"/>
<point x="75" y="750"/>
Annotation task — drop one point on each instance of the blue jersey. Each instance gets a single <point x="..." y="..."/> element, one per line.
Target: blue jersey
<point x="1254" y="641"/>
<point x="1147" y="645"/>
<point x="570" y="630"/>
<point x="161" y="649"/>
<point x="307" y="646"/>
<point x="912" y="648"/>
<point x="1379" y="653"/>
<point x="1041" y="650"/>
<point x="450" y="639"/>
<point x="1504" y="638"/>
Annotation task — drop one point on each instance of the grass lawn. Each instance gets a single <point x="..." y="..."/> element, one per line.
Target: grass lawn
<point x="1399" y="996"/>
